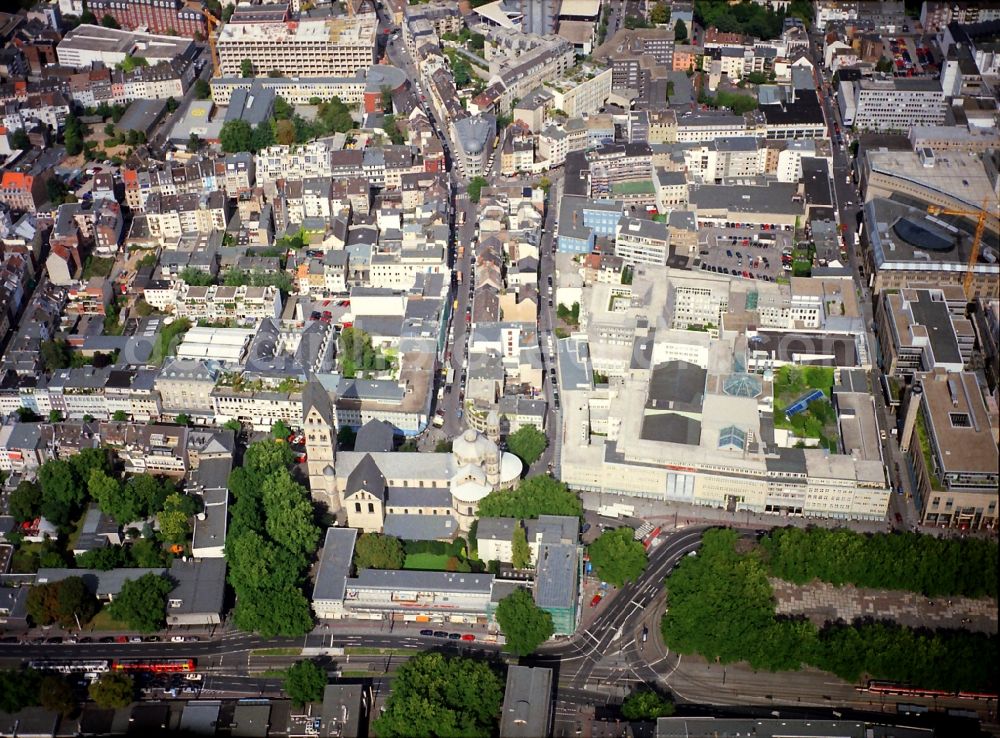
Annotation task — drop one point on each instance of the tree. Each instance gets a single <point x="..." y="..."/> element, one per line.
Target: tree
<point x="246" y="68"/>
<point x="19" y="139"/>
<point x="104" y="559"/>
<point x="438" y="695"/>
<point x="61" y="602"/>
<point x="345" y="438"/>
<point x="660" y="14"/>
<point x="617" y="557"/>
<point x="883" y="65"/>
<point x="55" y="354"/>
<point x="62" y="495"/>
<point x="520" y="550"/>
<point x="390" y="124"/>
<point x="284" y="132"/>
<point x="305" y="682"/>
<point x="175" y="520"/>
<point x="108" y="21"/>
<point x="55" y="416"/>
<point x="377" y="551"/>
<point x="193" y="143"/>
<point x="114" y="690"/>
<point x="236" y="136"/>
<point x="142" y="603"/>
<point x="524" y="624"/>
<point x="202" y="90"/>
<point x="18" y="689"/>
<point x="56" y="190"/>
<point x="234" y="425"/>
<point x="183" y="419"/>
<point x="680" y="31"/>
<point x="541" y="495"/>
<point x="261" y="137"/>
<point x="475" y="188"/>
<point x="646" y="704"/>
<point x="56" y="694"/>
<point x="106" y="491"/>
<point x="280" y="430"/>
<point x="527" y="443"/>
<point x="25" y="502"/>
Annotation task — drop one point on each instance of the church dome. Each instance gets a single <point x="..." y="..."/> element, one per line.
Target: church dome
<point x="472" y="447"/>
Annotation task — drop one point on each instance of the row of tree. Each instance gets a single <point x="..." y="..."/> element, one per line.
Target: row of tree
<point x="904" y="561"/>
<point x="720" y="605"/>
<point x="21" y="688"/>
<point x="271" y="541"/>
<point x="286" y="127"/>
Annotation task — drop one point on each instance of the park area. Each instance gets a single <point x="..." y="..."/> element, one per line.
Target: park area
<point x="818" y="419"/>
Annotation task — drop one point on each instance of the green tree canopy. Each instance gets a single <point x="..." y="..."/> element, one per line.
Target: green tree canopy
<point x="377" y="551"/>
<point x="55" y="354"/>
<point x="61" y="602"/>
<point x="25" y="501"/>
<point x="527" y="443"/>
<point x="645" y="704"/>
<point x="202" y="90"/>
<point x="437" y="695"/>
<point x="113" y="690"/>
<point x="246" y="68"/>
<point x="56" y="694"/>
<point x="541" y="495"/>
<point x="475" y="188"/>
<point x="280" y="430"/>
<point x="18" y="689"/>
<point x="680" y="31"/>
<point x="175" y="519"/>
<point x="617" y="557"/>
<point x="520" y="550"/>
<point x="142" y="603"/>
<point x="305" y="682"/>
<point x="235" y="136"/>
<point x="524" y="624"/>
<point x="660" y="13"/>
<point x="63" y="495"/>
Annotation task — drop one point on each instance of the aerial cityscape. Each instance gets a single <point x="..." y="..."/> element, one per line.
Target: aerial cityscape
<point x="518" y="368"/>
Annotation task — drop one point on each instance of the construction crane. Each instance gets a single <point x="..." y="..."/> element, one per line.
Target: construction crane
<point x="213" y="27"/>
<point x="977" y="239"/>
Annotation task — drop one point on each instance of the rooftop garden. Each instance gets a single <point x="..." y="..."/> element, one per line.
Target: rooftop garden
<point x="818" y="420"/>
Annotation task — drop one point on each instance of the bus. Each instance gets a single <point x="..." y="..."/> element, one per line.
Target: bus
<point x="92" y="666"/>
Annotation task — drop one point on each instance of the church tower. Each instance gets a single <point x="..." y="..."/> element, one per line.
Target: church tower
<point x="321" y="444"/>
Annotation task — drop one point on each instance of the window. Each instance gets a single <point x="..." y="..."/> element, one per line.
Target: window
<point x="371" y="507"/>
<point x="357" y="507"/>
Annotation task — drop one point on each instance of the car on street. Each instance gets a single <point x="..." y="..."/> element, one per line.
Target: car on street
<point x="468" y="637"/>
<point x="427" y="632"/>
<point x="135" y="639"/>
<point x="177" y="639"/>
<point x="107" y="639"/>
<point x="440" y="634"/>
<point x="54" y="640"/>
<point x="596" y="600"/>
<point x="191" y="639"/>
<point x="454" y="636"/>
<point x="121" y="639"/>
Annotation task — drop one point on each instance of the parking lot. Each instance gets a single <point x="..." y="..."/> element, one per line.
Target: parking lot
<point x="746" y="253"/>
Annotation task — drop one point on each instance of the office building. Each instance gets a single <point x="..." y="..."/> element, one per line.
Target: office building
<point x="895" y="104"/>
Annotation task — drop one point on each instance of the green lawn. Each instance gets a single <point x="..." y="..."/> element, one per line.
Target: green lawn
<point x="426" y="561"/>
<point x="103" y="621"/>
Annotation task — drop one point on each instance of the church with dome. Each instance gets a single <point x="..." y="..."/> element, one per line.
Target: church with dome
<point x="411" y="495"/>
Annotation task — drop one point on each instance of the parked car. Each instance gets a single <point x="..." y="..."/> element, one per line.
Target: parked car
<point x="427" y="632"/>
<point x="468" y="637"/>
<point x="440" y="634"/>
<point x="596" y="600"/>
<point x="454" y="636"/>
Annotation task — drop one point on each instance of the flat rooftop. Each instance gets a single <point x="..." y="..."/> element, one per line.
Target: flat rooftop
<point x="956" y="174"/>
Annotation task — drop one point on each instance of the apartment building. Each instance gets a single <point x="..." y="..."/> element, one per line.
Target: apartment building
<point x="521" y="74"/>
<point x="895" y="104"/>
<point x="185" y="385"/>
<point x="949" y="441"/>
<point x="935" y="15"/>
<point x="24" y="180"/>
<point x="171" y="216"/>
<point x="336" y="47"/>
<point x="215" y="302"/>
<point x="173" y="17"/>
<point x="86" y="44"/>
<point x="231" y="173"/>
